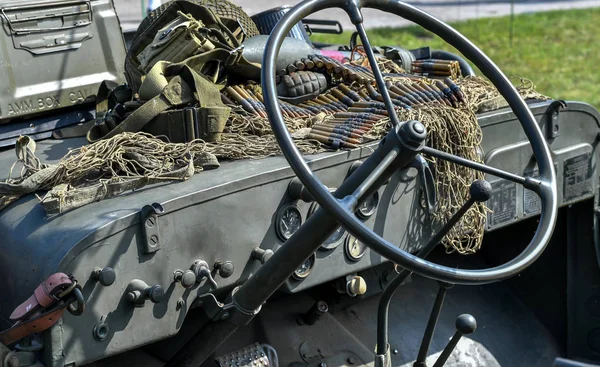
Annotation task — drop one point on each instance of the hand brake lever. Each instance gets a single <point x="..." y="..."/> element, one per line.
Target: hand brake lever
<point x="427" y="180"/>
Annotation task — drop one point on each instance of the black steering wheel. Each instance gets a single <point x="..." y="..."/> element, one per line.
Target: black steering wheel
<point x="343" y="208"/>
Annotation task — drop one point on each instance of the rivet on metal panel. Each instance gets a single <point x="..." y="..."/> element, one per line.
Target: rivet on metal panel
<point x="150" y="226"/>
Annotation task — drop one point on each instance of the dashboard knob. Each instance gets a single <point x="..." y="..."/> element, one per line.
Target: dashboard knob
<point x="186" y="278"/>
<point x="225" y="268"/>
<point x="356" y="286"/>
<point x="156" y="294"/>
<point x="105" y="276"/>
<point x="261" y="255"/>
<point x="138" y="292"/>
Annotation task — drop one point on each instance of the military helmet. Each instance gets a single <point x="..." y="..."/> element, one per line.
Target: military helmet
<point x="230" y="15"/>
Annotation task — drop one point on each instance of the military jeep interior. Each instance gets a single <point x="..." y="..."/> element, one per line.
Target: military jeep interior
<point x="330" y="258"/>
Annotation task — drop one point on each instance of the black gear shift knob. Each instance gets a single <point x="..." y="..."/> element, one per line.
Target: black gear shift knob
<point x="466" y="324"/>
<point x="480" y="190"/>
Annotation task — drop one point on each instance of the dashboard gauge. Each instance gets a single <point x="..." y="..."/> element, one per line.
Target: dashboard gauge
<point x="289" y="220"/>
<point x="304" y="270"/>
<point x="368" y="207"/>
<point x="354" y="248"/>
<point x="335" y="239"/>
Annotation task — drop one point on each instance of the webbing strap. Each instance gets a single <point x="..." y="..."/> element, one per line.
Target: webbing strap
<point x="185" y="86"/>
<point x="102" y="97"/>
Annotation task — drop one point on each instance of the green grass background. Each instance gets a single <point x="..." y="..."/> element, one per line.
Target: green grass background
<point x="559" y="50"/>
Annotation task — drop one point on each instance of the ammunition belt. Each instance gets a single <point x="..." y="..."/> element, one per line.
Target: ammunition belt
<point x="434" y="68"/>
<point x="353" y="106"/>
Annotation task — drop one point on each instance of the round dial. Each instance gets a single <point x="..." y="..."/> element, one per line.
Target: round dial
<point x="368" y="207"/>
<point x="304" y="270"/>
<point x="335" y="239"/>
<point x="289" y="219"/>
<point x="354" y="248"/>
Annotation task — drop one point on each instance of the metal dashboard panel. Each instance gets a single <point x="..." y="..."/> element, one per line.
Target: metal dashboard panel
<point x="216" y="215"/>
<point x="573" y="149"/>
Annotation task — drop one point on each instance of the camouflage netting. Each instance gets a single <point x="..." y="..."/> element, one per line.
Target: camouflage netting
<point x="133" y="160"/>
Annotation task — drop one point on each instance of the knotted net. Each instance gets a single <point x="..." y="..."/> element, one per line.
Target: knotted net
<point x="132" y="160"/>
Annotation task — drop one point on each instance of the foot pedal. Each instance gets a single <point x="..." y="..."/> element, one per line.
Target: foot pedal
<point x="253" y="355"/>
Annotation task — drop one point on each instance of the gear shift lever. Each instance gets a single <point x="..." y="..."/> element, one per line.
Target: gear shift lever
<point x="433" y="318"/>
<point x="465" y="325"/>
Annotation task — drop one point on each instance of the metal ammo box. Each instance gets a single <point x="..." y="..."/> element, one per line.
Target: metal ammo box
<point x="54" y="54"/>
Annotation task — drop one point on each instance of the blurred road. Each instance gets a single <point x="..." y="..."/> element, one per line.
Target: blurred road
<point x="130" y="11"/>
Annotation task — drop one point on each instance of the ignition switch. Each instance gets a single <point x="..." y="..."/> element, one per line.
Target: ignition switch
<point x="353" y="285"/>
<point x="356" y="286"/>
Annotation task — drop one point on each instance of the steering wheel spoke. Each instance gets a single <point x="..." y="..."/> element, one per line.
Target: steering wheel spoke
<point x="528" y="182"/>
<point x="353" y="10"/>
<point x="368" y="183"/>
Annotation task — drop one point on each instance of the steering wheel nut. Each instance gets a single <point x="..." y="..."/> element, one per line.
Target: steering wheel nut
<point x="413" y="134"/>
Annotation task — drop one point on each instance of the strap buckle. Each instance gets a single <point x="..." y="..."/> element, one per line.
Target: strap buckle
<point x="238" y="49"/>
<point x="191" y="124"/>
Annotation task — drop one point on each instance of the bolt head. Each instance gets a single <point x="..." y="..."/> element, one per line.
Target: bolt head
<point x="322" y="306"/>
<point x="101" y="331"/>
<point x="413" y="133"/>
<point x="418" y="127"/>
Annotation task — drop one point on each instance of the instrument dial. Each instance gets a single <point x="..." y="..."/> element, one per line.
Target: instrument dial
<point x="289" y="220"/>
<point x="368" y="207"/>
<point x="336" y="238"/>
<point x="354" y="248"/>
<point x="304" y="270"/>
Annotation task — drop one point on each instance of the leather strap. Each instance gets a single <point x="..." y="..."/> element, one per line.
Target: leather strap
<point x="35" y="325"/>
<point x="43" y="296"/>
<point x="40" y="311"/>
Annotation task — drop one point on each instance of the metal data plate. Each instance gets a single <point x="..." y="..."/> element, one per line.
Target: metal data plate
<point x="577" y="177"/>
<point x="503" y="203"/>
<point x="574" y="167"/>
<point x="250" y="356"/>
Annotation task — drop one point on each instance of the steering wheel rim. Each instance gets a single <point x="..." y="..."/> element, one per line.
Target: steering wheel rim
<point x="545" y="187"/>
